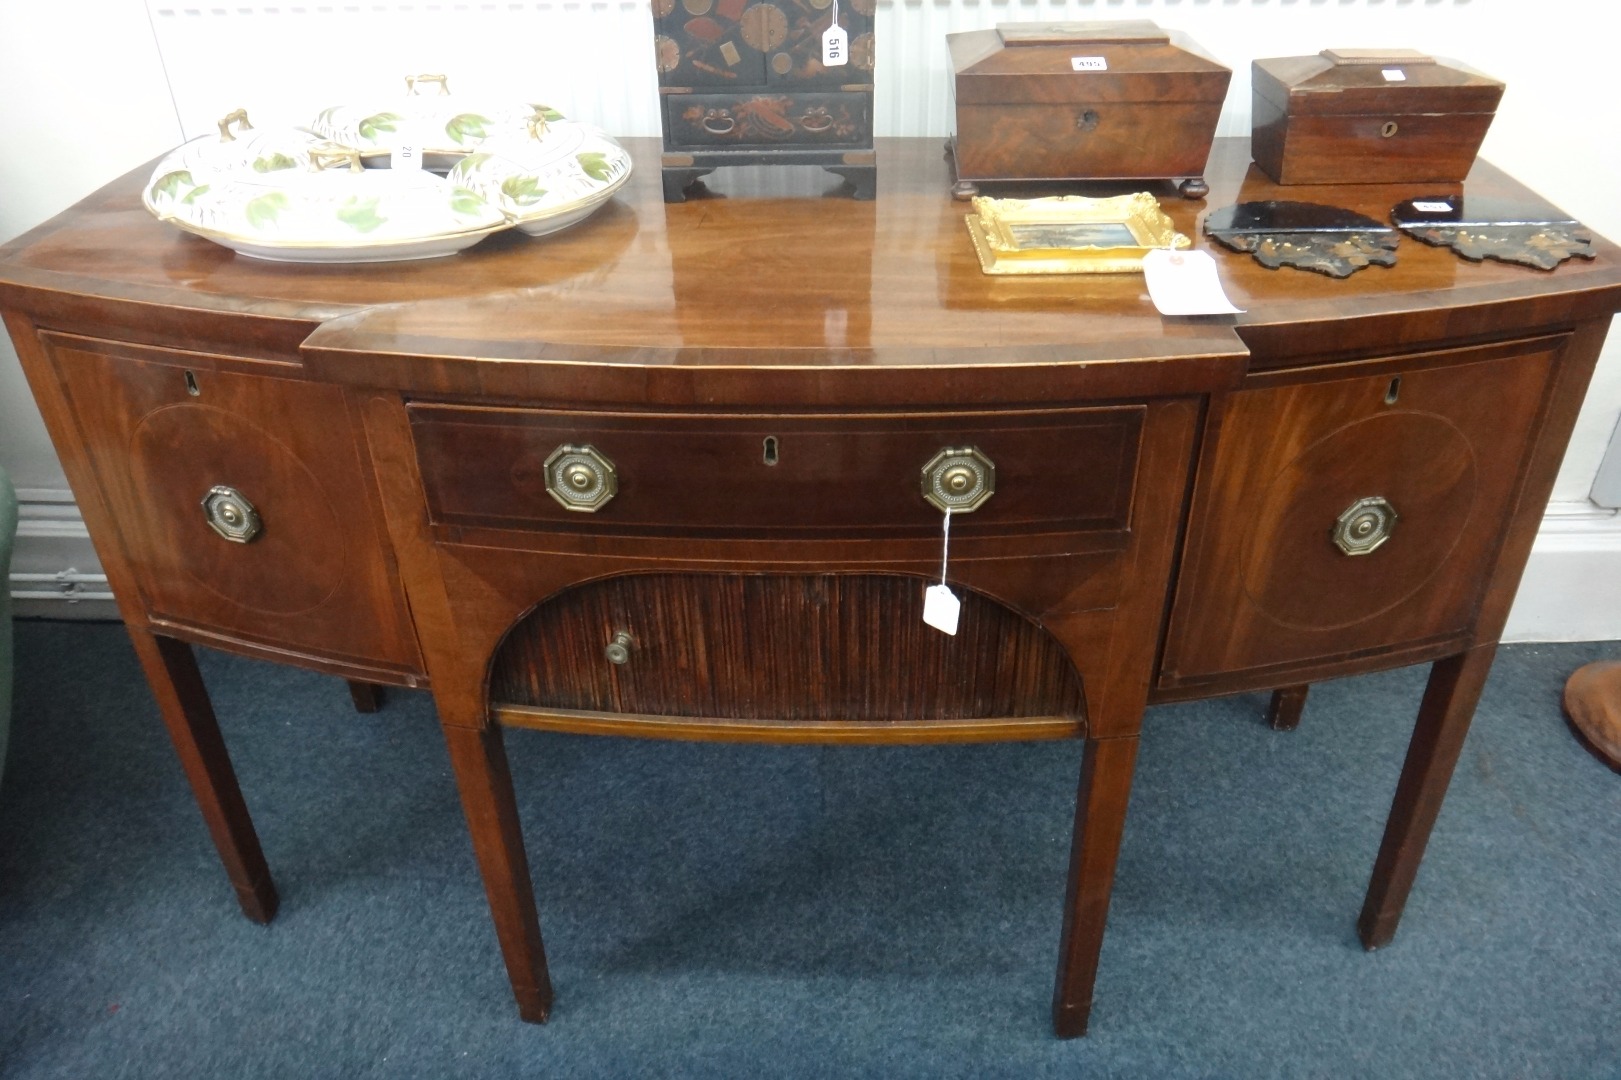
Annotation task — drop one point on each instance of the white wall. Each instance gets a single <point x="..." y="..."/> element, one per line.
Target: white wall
<point x="95" y="87"/>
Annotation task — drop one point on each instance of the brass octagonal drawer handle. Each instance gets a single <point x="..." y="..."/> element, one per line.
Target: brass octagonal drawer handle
<point x="959" y="479"/>
<point x="1364" y="525"/>
<point x="230" y="515"/>
<point x="581" y="478"/>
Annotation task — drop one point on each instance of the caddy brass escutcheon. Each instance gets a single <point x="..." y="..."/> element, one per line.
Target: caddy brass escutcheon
<point x="230" y="515"/>
<point x="959" y="479"/>
<point x="580" y="478"/>
<point x="1364" y="525"/>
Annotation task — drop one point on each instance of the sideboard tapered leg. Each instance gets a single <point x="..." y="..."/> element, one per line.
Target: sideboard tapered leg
<point x="479" y="758"/>
<point x="1443" y="721"/>
<point x="171" y="671"/>
<point x="1100" y="818"/>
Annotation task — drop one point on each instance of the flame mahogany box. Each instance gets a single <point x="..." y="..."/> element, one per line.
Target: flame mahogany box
<point x="1082" y="101"/>
<point x="1354" y="116"/>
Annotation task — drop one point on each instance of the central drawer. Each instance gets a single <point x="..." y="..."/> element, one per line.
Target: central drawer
<point x="778" y="476"/>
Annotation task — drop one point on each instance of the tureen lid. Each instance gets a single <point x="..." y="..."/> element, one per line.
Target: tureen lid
<point x="542" y="177"/>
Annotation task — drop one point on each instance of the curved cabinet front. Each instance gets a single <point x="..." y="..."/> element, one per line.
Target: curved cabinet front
<point x="1354" y="514"/>
<point x="243" y="505"/>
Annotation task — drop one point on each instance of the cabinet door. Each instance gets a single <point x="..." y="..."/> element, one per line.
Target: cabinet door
<point x="1285" y="566"/>
<point x="164" y="429"/>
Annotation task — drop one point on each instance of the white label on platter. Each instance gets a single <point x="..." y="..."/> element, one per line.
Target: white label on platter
<point x="1089" y="63"/>
<point x="1394" y="74"/>
<point x="1432" y="207"/>
<point x="407" y="154"/>
<point x="835" y="47"/>
<point x="941" y="608"/>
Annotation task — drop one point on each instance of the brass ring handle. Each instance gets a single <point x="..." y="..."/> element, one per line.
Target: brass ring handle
<point x="1364" y="525"/>
<point x="412" y="81"/>
<point x="239" y="117"/>
<point x="959" y="479"/>
<point x="712" y="124"/>
<point x="618" y="650"/>
<point x="580" y="478"/>
<point x="816" y="123"/>
<point x="231" y="515"/>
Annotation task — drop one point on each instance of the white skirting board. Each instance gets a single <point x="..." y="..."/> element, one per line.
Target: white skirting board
<point x="1571" y="590"/>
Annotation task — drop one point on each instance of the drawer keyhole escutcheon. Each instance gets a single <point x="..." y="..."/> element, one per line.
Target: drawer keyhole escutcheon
<point x="191" y="385"/>
<point x="580" y="478"/>
<point x="769" y="454"/>
<point x="230" y="515"/>
<point x="1393" y="391"/>
<point x="1388" y="130"/>
<point x="1364" y="525"/>
<point x="959" y="479"/>
<point x="618" y="650"/>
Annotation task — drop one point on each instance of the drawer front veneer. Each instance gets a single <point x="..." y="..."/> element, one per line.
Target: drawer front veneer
<point x="779" y="476"/>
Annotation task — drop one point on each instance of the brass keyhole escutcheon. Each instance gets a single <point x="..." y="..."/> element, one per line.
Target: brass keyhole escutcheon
<point x="959" y="479"/>
<point x="1364" y="525"/>
<point x="1389" y="129"/>
<point x="230" y="515"/>
<point x="580" y="478"/>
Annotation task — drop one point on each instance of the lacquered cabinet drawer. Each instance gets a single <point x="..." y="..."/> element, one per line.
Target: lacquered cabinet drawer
<point x="804" y="119"/>
<point x="1061" y="470"/>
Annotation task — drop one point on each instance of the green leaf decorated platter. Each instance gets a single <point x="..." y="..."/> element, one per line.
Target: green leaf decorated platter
<point x="555" y="173"/>
<point x="444" y="127"/>
<point x="319" y="206"/>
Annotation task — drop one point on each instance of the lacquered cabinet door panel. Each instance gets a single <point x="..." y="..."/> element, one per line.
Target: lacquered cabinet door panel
<point x="308" y="566"/>
<point x="1426" y="452"/>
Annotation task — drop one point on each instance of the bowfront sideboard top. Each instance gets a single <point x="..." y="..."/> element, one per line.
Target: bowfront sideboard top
<point x="677" y="472"/>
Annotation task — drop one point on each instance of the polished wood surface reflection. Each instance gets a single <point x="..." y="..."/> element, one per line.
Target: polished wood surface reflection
<point x="769" y="367"/>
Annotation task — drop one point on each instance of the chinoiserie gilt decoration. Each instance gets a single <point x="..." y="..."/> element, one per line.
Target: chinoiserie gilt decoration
<point x="745" y="83"/>
<point x="1306" y="236"/>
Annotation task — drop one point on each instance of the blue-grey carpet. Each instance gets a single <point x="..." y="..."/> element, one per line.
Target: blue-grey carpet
<point x="720" y="911"/>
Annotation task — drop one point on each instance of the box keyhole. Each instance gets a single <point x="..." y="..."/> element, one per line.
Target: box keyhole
<point x="1393" y="391"/>
<point x="191" y="385"/>
<point x="769" y="455"/>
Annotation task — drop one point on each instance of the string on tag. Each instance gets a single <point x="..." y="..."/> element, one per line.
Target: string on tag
<point x="945" y="547"/>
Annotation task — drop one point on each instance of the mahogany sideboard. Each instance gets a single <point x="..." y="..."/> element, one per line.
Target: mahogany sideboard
<point x="380" y="472"/>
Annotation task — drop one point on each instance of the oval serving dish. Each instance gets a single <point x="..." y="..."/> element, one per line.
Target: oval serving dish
<point x="312" y="202"/>
<point x="557" y="173"/>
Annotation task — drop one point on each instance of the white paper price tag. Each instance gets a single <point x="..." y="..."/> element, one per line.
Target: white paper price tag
<point x="1089" y="63"/>
<point x="941" y="608"/>
<point x="835" y="47"/>
<point x="407" y="153"/>
<point x="1427" y="207"/>
<point x="1393" y="74"/>
<point x="1185" y="283"/>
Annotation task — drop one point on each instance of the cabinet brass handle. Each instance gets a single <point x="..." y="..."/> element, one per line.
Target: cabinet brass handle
<point x="1364" y="525"/>
<point x="718" y="124"/>
<point x="231" y="515"/>
<point x="581" y="478"/>
<point x="959" y="479"/>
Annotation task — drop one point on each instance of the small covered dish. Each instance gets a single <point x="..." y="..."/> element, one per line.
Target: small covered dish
<point x="557" y="172"/>
<point x="445" y="128"/>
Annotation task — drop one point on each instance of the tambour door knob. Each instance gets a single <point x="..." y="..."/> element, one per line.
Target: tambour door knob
<point x="580" y="478"/>
<point x="959" y="479"/>
<point x="231" y="515"/>
<point x="618" y="650"/>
